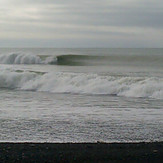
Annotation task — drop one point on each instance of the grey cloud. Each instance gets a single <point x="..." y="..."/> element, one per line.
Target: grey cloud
<point x="95" y="13"/>
<point x="85" y="12"/>
<point x="92" y="18"/>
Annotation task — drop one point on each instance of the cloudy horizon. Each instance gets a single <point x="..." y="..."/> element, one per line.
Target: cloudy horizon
<point x="91" y="23"/>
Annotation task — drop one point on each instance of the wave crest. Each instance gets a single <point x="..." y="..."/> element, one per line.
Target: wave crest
<point x="92" y="84"/>
<point x="16" y="58"/>
<point x="81" y="60"/>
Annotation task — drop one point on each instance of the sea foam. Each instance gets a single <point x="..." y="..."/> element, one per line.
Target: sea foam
<point x="18" y="58"/>
<point x="80" y="83"/>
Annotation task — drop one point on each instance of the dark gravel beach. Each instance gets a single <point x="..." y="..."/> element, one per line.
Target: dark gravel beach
<point x="81" y="152"/>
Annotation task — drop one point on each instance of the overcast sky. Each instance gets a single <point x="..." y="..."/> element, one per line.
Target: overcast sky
<point x="81" y="23"/>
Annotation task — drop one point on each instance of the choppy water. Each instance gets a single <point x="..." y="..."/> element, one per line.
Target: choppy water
<point x="77" y="95"/>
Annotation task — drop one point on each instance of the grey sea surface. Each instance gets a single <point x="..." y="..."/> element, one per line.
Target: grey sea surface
<point x="81" y="95"/>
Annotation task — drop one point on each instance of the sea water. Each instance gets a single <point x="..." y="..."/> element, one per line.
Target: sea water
<point x="81" y="95"/>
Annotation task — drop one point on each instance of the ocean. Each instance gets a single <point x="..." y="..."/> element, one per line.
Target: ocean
<point x="81" y="95"/>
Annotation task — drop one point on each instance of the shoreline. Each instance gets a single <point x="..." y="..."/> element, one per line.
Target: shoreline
<point x="81" y="152"/>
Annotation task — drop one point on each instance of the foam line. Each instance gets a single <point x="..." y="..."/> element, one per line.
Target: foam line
<point x="93" y="84"/>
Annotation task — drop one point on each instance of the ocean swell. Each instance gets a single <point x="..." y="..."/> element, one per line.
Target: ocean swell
<point x="80" y="60"/>
<point x="81" y="83"/>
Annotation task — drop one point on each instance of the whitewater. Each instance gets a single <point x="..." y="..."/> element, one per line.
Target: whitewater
<point x="78" y="95"/>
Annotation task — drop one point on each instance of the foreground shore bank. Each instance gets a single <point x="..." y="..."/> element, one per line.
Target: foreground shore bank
<point x="81" y="152"/>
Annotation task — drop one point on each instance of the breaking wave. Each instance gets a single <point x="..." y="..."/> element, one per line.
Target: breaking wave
<point x="80" y="83"/>
<point x="80" y="60"/>
<point x="73" y="60"/>
<point x="16" y="58"/>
